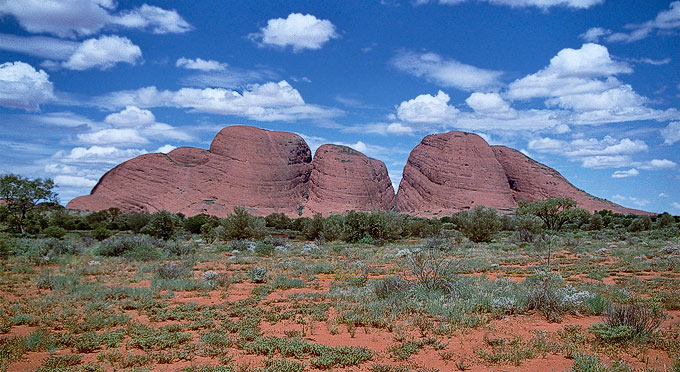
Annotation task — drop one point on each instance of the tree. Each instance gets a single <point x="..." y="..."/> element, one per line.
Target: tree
<point x="554" y="212"/>
<point x="479" y="225"/>
<point x="22" y="196"/>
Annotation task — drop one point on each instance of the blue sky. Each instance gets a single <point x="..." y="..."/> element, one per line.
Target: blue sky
<point x="588" y="87"/>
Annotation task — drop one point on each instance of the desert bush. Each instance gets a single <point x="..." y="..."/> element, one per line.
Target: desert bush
<point x="180" y="248"/>
<point x="635" y="320"/>
<point x="259" y="274"/>
<point x="194" y="224"/>
<point x="595" y="222"/>
<point x="431" y="269"/>
<point x="480" y="224"/>
<point x="591" y="363"/>
<point x="43" y="251"/>
<point x="242" y="225"/>
<point x="548" y="294"/>
<point x="527" y="227"/>
<point x="136" y="221"/>
<point x="161" y="225"/>
<point x="141" y="247"/>
<point x="640" y="223"/>
<point x="370" y="227"/>
<point x="420" y="227"/>
<point x="101" y="233"/>
<point x="264" y="249"/>
<point x="333" y="227"/>
<point x="390" y="286"/>
<point x="54" y="232"/>
<point x="664" y="220"/>
<point x="313" y="228"/>
<point x="215" y="279"/>
<point x="172" y="271"/>
<point x="7" y="244"/>
<point x="278" y="221"/>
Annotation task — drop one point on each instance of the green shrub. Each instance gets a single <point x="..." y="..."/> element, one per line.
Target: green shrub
<point x="390" y="286"/>
<point x="333" y="226"/>
<point x="664" y="220"/>
<point x="209" y="233"/>
<point x="172" y="271"/>
<point x="480" y="224"/>
<point x="591" y="363"/>
<point x="278" y="221"/>
<point x="43" y="251"/>
<point x="242" y="225"/>
<point x="62" y="361"/>
<point x="101" y="233"/>
<point x="7" y="245"/>
<point x="141" y="247"/>
<point x="527" y="227"/>
<point x="430" y="268"/>
<point x="640" y="223"/>
<point x="194" y="224"/>
<point x="548" y="294"/>
<point x="372" y="227"/>
<point x="636" y="320"/>
<point x="54" y="232"/>
<point x="264" y="249"/>
<point x="259" y="274"/>
<point x="136" y="221"/>
<point x="161" y="225"/>
<point x="180" y="248"/>
<point x="421" y="227"/>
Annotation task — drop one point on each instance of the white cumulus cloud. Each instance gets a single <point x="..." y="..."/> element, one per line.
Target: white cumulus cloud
<point x="427" y="108"/>
<point x="71" y="18"/>
<point x="23" y="87"/>
<point x="201" y="64"/>
<point x="165" y="148"/>
<point x="103" y="53"/>
<point x="491" y="104"/>
<point x="263" y="102"/>
<point x="153" y="18"/>
<point x="131" y="116"/>
<point x="125" y="136"/>
<point x="445" y="72"/>
<point x="299" y="31"/>
<point x="666" y="20"/>
<point x="543" y="4"/>
<point x="625" y="174"/>
<point x="671" y="133"/>
<point x="73" y="181"/>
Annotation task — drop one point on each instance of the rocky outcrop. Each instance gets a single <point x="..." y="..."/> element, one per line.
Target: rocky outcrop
<point x="456" y="171"/>
<point x="345" y="179"/>
<point x="530" y="180"/>
<point x="452" y="172"/>
<point x="264" y="171"/>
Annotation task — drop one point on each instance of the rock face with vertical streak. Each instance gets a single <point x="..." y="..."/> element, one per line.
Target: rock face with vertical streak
<point x="345" y="179"/>
<point x="456" y="171"/>
<point x="452" y="172"/>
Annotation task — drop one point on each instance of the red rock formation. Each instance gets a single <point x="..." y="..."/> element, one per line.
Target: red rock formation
<point x="530" y="180"/>
<point x="259" y="169"/>
<point x="345" y="179"/>
<point x="452" y="172"/>
<point x="455" y="171"/>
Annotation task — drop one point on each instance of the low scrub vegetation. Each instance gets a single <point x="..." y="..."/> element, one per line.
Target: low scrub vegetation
<point x="111" y="290"/>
